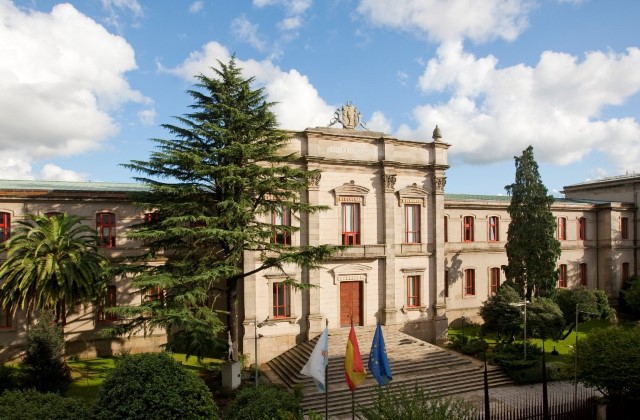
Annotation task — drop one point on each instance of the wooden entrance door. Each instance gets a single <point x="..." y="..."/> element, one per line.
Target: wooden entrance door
<point x="350" y="303"/>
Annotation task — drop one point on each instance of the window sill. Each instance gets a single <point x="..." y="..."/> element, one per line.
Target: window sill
<point x="406" y="309"/>
<point x="289" y="319"/>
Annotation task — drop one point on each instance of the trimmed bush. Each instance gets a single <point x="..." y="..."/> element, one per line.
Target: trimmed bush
<point x="153" y="385"/>
<point x="44" y="367"/>
<point x="406" y="403"/>
<point x="264" y="402"/>
<point x="33" y="405"/>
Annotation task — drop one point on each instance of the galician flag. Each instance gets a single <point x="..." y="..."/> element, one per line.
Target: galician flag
<point x="378" y="361"/>
<point x="354" y="372"/>
<point x="317" y="363"/>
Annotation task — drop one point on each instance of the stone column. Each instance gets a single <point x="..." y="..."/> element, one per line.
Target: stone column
<point x="390" y="309"/>
<point x="437" y="285"/>
<point x="315" y="317"/>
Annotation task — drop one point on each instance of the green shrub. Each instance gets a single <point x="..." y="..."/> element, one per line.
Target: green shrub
<point x="153" y="385"/>
<point x="44" y="367"/>
<point x="264" y="402"/>
<point x="7" y="378"/>
<point x="631" y="297"/>
<point x="609" y="359"/>
<point x="402" y="403"/>
<point x="33" y="405"/>
<point x="471" y="346"/>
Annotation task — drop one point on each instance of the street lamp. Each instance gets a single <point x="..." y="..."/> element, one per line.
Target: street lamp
<point x="257" y="325"/>
<point x="521" y="305"/>
<point x="575" y="367"/>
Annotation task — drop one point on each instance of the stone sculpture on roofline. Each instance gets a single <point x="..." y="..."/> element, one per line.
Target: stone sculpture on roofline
<point x="349" y="116"/>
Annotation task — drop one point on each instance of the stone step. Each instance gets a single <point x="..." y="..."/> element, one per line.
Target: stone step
<point x="413" y="362"/>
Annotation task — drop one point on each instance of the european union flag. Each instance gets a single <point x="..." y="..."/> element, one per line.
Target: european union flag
<point x="378" y="361"/>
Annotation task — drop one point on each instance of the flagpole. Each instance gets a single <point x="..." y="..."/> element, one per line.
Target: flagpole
<point x="353" y="398"/>
<point x="326" y="379"/>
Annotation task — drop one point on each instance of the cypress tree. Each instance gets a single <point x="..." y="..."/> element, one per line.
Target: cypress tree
<point x="213" y="188"/>
<point x="532" y="248"/>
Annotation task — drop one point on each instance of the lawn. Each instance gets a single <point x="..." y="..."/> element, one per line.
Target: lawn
<point x="88" y="374"/>
<point x="564" y="348"/>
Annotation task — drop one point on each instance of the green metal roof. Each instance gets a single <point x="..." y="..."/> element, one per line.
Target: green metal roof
<point x="477" y="197"/>
<point x="38" y="185"/>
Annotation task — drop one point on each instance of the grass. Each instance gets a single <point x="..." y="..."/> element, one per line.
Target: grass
<point x="564" y="347"/>
<point x="89" y="374"/>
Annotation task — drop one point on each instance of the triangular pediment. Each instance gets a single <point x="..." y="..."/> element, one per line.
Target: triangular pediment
<point x="412" y="191"/>
<point x="351" y="189"/>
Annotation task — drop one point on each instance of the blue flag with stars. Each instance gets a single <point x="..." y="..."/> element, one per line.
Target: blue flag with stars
<point x="378" y="361"/>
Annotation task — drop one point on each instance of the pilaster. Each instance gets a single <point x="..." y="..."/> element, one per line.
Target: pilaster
<point x="390" y="310"/>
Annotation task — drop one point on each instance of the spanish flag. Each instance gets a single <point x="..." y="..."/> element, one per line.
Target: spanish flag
<point x="354" y="372"/>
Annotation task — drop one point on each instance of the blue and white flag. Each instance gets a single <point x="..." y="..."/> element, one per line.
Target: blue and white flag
<point x="317" y="364"/>
<point x="378" y="361"/>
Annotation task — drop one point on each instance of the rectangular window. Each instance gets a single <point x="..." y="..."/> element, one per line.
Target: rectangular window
<point x="153" y="293"/>
<point x="469" y="282"/>
<point x="624" y="228"/>
<point x="625" y="272"/>
<point x="106" y="227"/>
<point x="151" y="217"/>
<point x="412" y="223"/>
<point x="350" y="224"/>
<point x="5" y="226"/>
<point x="413" y="291"/>
<point x="468" y="229"/>
<point x="5" y="318"/>
<point x="562" y="275"/>
<point x="494" y="226"/>
<point x="281" y="221"/>
<point x="562" y="228"/>
<point x="109" y="301"/>
<point x="582" y="229"/>
<point x="281" y="300"/>
<point x="446" y="283"/>
<point x="583" y="274"/>
<point x="494" y="281"/>
<point x="446" y="229"/>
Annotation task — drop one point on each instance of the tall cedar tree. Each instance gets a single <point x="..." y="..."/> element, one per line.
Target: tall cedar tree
<point x="213" y="189"/>
<point x="532" y="248"/>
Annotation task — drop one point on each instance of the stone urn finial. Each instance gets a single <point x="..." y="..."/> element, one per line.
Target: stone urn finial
<point x="437" y="134"/>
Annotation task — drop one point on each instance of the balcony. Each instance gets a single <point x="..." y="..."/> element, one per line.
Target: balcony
<point x="362" y="251"/>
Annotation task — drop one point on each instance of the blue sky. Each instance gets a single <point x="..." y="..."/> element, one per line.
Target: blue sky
<point x="84" y="85"/>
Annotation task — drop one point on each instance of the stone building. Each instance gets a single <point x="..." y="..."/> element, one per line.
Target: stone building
<point x="415" y="258"/>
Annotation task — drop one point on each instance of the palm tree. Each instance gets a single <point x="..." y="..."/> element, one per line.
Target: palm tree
<point x="52" y="262"/>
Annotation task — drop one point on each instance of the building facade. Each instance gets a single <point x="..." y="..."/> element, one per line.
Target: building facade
<point x="413" y="257"/>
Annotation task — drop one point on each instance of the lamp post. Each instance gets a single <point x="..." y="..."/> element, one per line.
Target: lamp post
<point x="575" y="366"/>
<point x="521" y="305"/>
<point x="256" y="336"/>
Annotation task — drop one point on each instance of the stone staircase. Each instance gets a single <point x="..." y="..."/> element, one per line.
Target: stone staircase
<point x="412" y="362"/>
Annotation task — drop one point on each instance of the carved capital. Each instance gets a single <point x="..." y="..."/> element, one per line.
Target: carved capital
<point x="389" y="182"/>
<point x="439" y="183"/>
<point x="314" y="180"/>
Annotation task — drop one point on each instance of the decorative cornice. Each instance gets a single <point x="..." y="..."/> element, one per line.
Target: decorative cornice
<point x="351" y="189"/>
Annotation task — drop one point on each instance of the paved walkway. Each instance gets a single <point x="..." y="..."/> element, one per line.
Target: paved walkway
<point x="510" y="396"/>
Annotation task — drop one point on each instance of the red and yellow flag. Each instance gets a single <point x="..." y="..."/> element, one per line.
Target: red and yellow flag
<point x="354" y="372"/>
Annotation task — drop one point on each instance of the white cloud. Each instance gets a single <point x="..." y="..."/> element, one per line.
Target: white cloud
<point x="57" y="88"/>
<point x="293" y="9"/>
<point x="196" y="6"/>
<point x="379" y="122"/>
<point x="451" y="20"/>
<point x="298" y="103"/>
<point x="247" y="32"/>
<point x="290" y="23"/>
<point x="495" y="113"/>
<point x="53" y="172"/>
<point x="131" y="6"/>
<point x="147" y="116"/>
